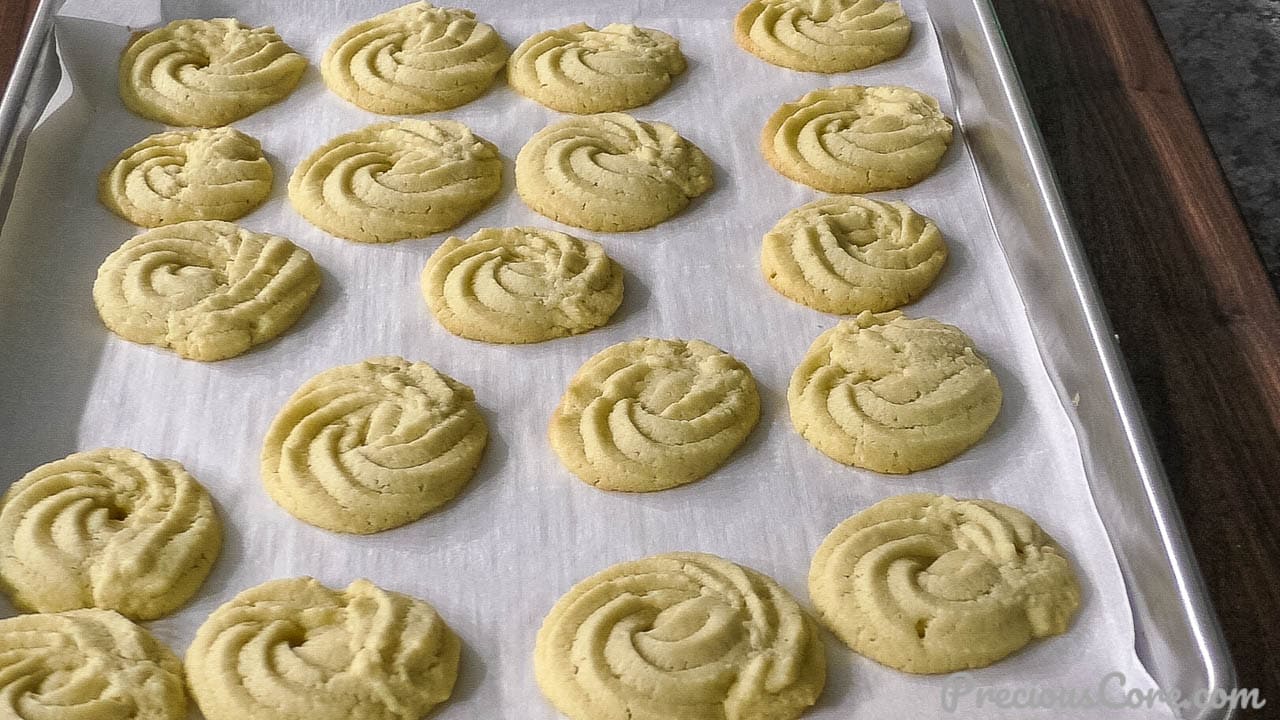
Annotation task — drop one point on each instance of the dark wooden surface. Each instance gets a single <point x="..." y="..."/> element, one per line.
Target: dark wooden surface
<point x="1198" y="321"/>
<point x="15" y="15"/>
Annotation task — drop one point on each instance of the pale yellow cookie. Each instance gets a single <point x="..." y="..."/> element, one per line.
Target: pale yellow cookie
<point x="847" y="254"/>
<point x="296" y="650"/>
<point x="396" y="180"/>
<point x="827" y="36"/>
<point x="930" y="584"/>
<point x="682" y="635"/>
<point x="206" y="289"/>
<point x="370" y="446"/>
<point x="650" y="414"/>
<point x="86" y="665"/>
<point x="207" y="72"/>
<point x="579" y="69"/>
<point x="414" y="59"/>
<point x="893" y="394"/>
<point x="857" y="139"/>
<point x="610" y="172"/>
<point x="108" y="528"/>
<point x="521" y="285"/>
<point x="171" y="177"/>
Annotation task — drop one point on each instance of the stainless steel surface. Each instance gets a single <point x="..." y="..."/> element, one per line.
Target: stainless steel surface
<point x="1177" y="634"/>
<point x="33" y="82"/>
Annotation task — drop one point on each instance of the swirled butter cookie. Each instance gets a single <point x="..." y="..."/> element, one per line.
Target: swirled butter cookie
<point x="171" y="177"/>
<point x="682" y="635"/>
<point x="857" y="139"/>
<point x="396" y="180"/>
<point x="108" y="528"/>
<point x="930" y="584"/>
<point x="893" y="394"/>
<point x="521" y="285"/>
<point x="207" y="72"/>
<point x="206" y="289"/>
<point x="827" y="36"/>
<point x="848" y="254"/>
<point x="415" y="59"/>
<point x="370" y="446"/>
<point x="86" y="665"/>
<point x="297" y="650"/>
<point x="579" y="69"/>
<point x="650" y="414"/>
<point x="610" y="172"/>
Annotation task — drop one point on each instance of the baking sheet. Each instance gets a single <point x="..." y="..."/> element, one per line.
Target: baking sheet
<point x="525" y="530"/>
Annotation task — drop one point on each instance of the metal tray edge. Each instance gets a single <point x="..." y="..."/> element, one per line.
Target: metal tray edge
<point x="18" y="114"/>
<point x="1193" y="596"/>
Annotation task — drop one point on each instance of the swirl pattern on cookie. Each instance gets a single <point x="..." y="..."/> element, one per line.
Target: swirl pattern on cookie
<point x="172" y="177"/>
<point x="86" y="665"/>
<point x="370" y="446"/>
<point x="108" y="528"/>
<point x="930" y="584"/>
<point x="849" y="254"/>
<point x="650" y="414"/>
<point x="827" y="36"/>
<point x="857" y="139"/>
<point x="294" y="649"/>
<point x="610" y="172"/>
<point x="207" y="72"/>
<point x="206" y="289"/>
<point x="396" y="180"/>
<point x="682" y="635"/>
<point x="893" y="394"/>
<point x="414" y="59"/>
<point x="521" y="285"/>
<point x="579" y="69"/>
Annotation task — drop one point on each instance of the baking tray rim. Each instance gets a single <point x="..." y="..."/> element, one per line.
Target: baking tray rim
<point x="1193" y="597"/>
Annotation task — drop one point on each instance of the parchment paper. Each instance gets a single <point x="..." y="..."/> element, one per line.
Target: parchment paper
<point x="525" y="530"/>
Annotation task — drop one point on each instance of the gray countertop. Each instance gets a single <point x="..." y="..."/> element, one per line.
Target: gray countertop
<point x="1228" y="53"/>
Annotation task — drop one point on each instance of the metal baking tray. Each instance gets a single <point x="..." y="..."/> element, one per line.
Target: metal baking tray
<point x="1177" y="634"/>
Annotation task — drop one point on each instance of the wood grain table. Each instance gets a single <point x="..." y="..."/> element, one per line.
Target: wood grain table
<point x="1198" y="322"/>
